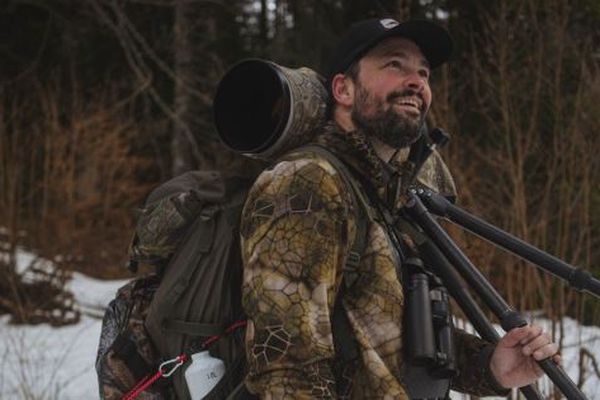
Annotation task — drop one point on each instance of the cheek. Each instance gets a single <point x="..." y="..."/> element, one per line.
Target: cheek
<point x="379" y="94"/>
<point x="366" y="102"/>
<point x="385" y="88"/>
<point x="427" y="97"/>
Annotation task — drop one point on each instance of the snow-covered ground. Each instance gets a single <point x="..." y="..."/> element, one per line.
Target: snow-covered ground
<point x="42" y="362"/>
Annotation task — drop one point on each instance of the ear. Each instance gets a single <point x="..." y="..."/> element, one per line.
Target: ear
<point x="342" y="90"/>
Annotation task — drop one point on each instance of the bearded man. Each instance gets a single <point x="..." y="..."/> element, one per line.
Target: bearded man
<point x="300" y="224"/>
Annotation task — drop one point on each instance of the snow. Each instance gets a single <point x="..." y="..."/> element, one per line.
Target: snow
<point x="44" y="362"/>
<point x="577" y="337"/>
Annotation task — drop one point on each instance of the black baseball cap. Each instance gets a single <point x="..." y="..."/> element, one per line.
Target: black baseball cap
<point x="434" y="41"/>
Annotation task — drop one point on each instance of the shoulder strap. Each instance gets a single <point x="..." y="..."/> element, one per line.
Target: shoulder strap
<point x="364" y="210"/>
<point x="201" y="232"/>
<point x="344" y="340"/>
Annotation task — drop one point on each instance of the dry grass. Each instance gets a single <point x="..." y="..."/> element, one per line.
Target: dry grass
<point x="525" y="146"/>
<point x="70" y="180"/>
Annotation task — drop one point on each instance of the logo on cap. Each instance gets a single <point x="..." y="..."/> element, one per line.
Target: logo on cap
<point x="389" y="23"/>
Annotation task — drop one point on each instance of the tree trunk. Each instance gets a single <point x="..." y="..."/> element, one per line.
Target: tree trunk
<point x="184" y="144"/>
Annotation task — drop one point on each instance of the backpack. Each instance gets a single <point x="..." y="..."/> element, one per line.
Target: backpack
<point x="186" y="229"/>
<point x="189" y="230"/>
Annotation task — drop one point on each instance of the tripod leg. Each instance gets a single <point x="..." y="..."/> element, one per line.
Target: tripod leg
<point x="439" y="265"/>
<point x="578" y="278"/>
<point x="509" y="318"/>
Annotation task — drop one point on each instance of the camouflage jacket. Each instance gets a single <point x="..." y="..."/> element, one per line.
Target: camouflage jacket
<point x="298" y="226"/>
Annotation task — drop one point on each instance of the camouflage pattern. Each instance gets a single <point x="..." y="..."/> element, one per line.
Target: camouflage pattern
<point x="298" y="226"/>
<point x="476" y="379"/>
<point x="186" y="230"/>
<point x="308" y="99"/>
<point x="124" y="319"/>
<point x="356" y="150"/>
<point x="160" y="226"/>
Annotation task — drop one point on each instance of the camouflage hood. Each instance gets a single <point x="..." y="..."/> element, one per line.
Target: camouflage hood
<point x="356" y="150"/>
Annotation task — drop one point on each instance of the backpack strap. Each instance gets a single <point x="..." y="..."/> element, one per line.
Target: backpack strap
<point x="192" y="328"/>
<point x="364" y="211"/>
<point x="206" y="217"/>
<point x="344" y="340"/>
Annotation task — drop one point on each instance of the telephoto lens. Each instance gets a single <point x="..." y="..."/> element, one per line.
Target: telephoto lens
<point x="262" y="109"/>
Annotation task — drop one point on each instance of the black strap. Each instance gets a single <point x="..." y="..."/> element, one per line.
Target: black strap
<point x="369" y="208"/>
<point x="344" y="340"/>
<point x="192" y="328"/>
<point x="364" y="213"/>
<point x="203" y="244"/>
<point x="206" y="217"/>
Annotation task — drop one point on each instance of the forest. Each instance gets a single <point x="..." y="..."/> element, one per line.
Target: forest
<point x="102" y="100"/>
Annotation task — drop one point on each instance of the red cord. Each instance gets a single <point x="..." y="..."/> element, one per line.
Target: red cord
<point x="149" y="380"/>
<point x="236" y="325"/>
<point x="142" y="385"/>
<point x="231" y="328"/>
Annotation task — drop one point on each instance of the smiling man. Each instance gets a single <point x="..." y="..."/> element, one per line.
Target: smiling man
<point x="300" y="225"/>
<point x="392" y="113"/>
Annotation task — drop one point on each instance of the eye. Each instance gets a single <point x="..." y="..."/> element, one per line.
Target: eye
<point x="424" y="73"/>
<point x="394" y="64"/>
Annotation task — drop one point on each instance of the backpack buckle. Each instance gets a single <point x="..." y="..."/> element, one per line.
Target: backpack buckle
<point x="353" y="260"/>
<point x="351" y="274"/>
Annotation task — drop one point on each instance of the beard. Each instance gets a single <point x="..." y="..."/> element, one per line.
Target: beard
<point x="387" y="125"/>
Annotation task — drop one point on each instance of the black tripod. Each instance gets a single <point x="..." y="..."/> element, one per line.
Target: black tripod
<point x="444" y="257"/>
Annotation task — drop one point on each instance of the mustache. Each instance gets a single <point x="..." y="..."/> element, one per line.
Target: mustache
<point x="393" y="96"/>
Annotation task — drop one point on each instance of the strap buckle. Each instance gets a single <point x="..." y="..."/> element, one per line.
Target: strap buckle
<point x="353" y="260"/>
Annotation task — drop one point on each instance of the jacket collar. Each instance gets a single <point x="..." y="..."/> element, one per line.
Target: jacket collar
<point x="356" y="150"/>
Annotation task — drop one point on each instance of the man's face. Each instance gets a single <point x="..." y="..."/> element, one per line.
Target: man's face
<point x="392" y="94"/>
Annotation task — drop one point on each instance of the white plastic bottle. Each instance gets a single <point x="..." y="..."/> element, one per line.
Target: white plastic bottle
<point x="203" y="374"/>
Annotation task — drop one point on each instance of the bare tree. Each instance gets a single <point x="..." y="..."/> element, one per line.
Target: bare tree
<point x="188" y="36"/>
<point x="524" y="150"/>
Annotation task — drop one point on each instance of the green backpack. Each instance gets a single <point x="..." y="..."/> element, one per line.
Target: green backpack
<point x="189" y="229"/>
<point x="186" y="230"/>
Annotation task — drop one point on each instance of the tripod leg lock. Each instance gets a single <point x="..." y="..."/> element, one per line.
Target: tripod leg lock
<point x="579" y="279"/>
<point x="511" y="319"/>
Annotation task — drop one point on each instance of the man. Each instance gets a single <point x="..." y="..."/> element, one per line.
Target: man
<point x="299" y="225"/>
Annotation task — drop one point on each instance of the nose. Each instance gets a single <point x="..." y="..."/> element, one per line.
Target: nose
<point x="416" y="82"/>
